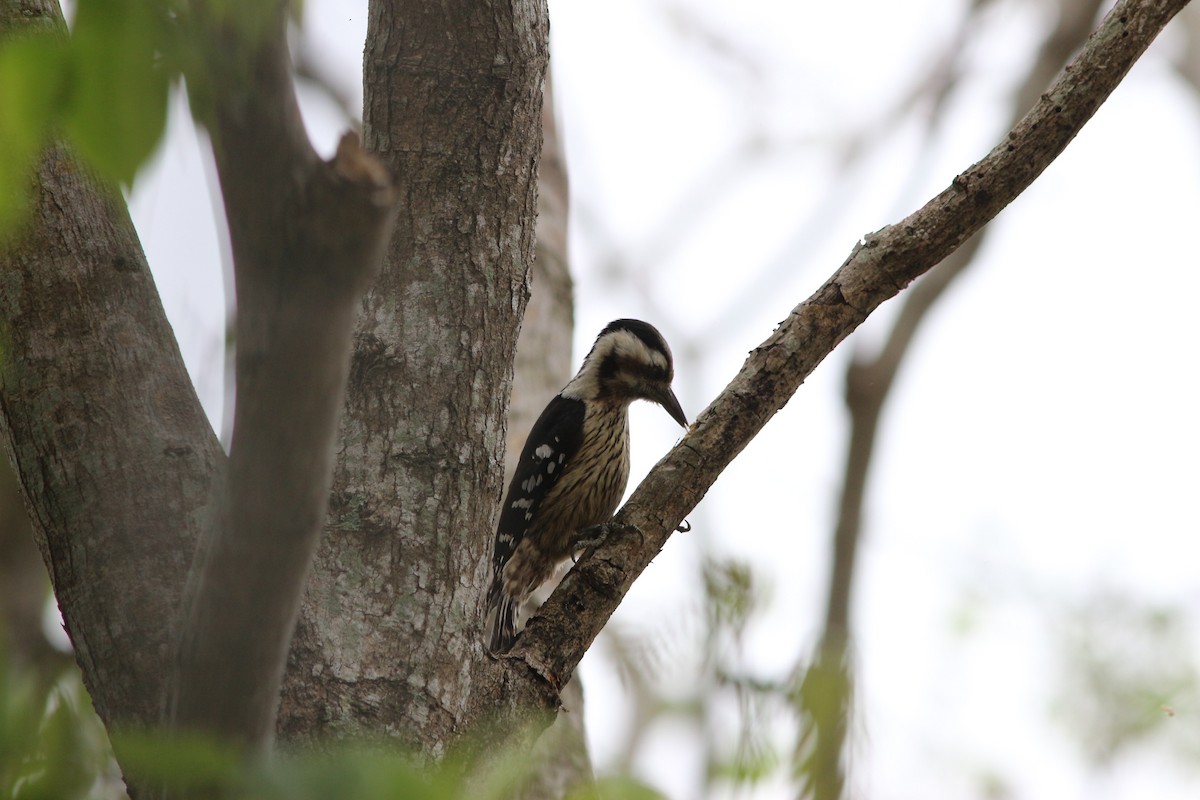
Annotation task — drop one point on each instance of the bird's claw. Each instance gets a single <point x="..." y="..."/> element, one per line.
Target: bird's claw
<point x="593" y="536"/>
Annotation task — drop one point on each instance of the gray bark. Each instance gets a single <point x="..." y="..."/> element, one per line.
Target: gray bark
<point x="114" y="457"/>
<point x="543" y="363"/>
<point x="121" y="469"/>
<point x="389" y="640"/>
<point x="24" y="589"/>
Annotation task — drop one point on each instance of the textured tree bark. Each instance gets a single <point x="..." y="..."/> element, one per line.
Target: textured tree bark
<point x="447" y="309"/>
<point x="389" y="639"/>
<point x="115" y="457"/>
<point x="112" y="451"/>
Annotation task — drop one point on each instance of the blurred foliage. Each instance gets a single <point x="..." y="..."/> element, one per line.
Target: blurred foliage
<point x="616" y="788"/>
<point x="103" y="86"/>
<point x="1127" y="668"/>
<point x="757" y="729"/>
<point x="746" y="719"/>
<point x="821" y="700"/>
<point x="52" y="746"/>
<point x="733" y="599"/>
<point x="112" y="95"/>
<point x="197" y="766"/>
<point x="1128" y="684"/>
<point x="730" y="595"/>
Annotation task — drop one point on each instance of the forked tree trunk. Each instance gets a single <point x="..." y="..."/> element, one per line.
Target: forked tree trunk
<point x="119" y="467"/>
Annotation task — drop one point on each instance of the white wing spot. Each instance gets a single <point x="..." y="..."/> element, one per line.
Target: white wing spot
<point x="524" y="502"/>
<point x="550" y="468"/>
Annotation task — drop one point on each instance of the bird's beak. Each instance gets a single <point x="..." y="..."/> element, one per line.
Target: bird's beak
<point x="670" y="402"/>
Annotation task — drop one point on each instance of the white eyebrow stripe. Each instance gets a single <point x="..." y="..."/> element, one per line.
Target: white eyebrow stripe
<point x="621" y="343"/>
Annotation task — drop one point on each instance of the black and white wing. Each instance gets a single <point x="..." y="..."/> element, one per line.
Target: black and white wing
<point x="554" y="439"/>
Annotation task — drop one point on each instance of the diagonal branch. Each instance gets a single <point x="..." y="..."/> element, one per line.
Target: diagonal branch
<point x="307" y="237"/>
<point x="877" y="269"/>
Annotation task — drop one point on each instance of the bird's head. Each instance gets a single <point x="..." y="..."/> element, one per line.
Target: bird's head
<point x="629" y="361"/>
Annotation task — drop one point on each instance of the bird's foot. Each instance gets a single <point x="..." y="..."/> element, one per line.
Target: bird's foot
<point x="593" y="536"/>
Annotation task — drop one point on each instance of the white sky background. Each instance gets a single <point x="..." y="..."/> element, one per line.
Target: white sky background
<point x="1041" y="443"/>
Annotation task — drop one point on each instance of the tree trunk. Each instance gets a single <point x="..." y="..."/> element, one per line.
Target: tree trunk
<point x="389" y="639"/>
<point x="114" y="456"/>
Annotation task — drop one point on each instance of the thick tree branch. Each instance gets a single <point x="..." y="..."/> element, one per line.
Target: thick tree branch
<point x="112" y="451"/>
<point x="877" y="269"/>
<point x="307" y="238"/>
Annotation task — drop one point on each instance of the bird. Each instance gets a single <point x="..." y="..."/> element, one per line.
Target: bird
<point x="574" y="466"/>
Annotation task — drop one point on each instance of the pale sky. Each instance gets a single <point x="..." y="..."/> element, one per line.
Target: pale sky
<point x="1040" y="445"/>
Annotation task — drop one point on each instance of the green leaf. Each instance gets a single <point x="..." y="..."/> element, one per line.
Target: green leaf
<point x="177" y="761"/>
<point x="32" y="74"/>
<point x="356" y="772"/>
<point x="117" y="105"/>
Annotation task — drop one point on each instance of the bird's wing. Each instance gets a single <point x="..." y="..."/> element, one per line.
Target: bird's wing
<point x="554" y="439"/>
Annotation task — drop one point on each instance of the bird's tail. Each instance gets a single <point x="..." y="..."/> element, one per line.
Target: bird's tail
<point x="502" y="618"/>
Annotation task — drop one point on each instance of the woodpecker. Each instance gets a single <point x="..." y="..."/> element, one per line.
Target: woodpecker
<point x="575" y="465"/>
